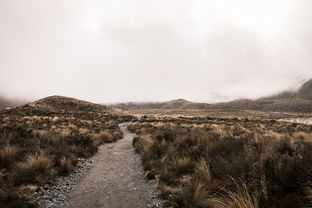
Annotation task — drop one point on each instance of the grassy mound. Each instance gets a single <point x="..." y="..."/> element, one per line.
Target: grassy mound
<point x="47" y="138"/>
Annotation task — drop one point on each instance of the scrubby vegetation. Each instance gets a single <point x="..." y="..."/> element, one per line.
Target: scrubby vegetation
<point x="48" y="138"/>
<point x="227" y="163"/>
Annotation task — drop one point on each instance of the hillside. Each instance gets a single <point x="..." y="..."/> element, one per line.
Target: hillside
<point x="279" y="105"/>
<point x="43" y="140"/>
<point x="287" y="101"/>
<point x="304" y="92"/>
<point x="297" y="101"/>
<point x="180" y="104"/>
<point x="70" y="106"/>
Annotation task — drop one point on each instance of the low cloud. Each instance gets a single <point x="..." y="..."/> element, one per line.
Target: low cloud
<point x="112" y="51"/>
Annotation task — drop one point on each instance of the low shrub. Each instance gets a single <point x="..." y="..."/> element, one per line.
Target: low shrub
<point x="34" y="169"/>
<point x="8" y="155"/>
<point x="239" y="197"/>
<point x="65" y="166"/>
<point x="228" y="162"/>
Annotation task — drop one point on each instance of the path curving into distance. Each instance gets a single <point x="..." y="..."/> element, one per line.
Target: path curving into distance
<point x="115" y="179"/>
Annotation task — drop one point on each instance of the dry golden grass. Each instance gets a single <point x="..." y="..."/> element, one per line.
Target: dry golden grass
<point x="309" y="194"/>
<point x="66" y="166"/>
<point x="47" y="138"/>
<point x="302" y="136"/>
<point x="198" y="194"/>
<point x="180" y="166"/>
<point x="8" y="155"/>
<point x="34" y="169"/>
<point x="202" y="168"/>
<point x="236" y="163"/>
<point x="240" y="197"/>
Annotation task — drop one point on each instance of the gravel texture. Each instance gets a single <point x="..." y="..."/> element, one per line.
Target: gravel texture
<point x="113" y="178"/>
<point x="55" y="196"/>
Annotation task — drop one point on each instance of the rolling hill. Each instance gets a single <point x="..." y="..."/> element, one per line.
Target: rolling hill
<point x="45" y="139"/>
<point x="288" y="101"/>
<point x="304" y="92"/>
<point x="173" y="104"/>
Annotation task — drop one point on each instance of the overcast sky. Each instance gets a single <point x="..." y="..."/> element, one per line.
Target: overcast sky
<point x="154" y="50"/>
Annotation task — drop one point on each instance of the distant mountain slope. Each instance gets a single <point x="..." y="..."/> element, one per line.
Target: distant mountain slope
<point x="297" y="101"/>
<point x="287" y="101"/>
<point x="183" y="104"/>
<point x="280" y="105"/>
<point x="304" y="92"/>
<point x="173" y="104"/>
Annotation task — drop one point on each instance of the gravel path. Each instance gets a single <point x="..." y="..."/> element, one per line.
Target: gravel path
<point x="115" y="179"/>
<point x="55" y="196"/>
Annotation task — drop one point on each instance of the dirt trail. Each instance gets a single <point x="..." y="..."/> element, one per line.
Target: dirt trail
<point x="115" y="179"/>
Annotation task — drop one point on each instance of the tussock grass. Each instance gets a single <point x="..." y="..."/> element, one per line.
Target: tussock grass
<point x="308" y="191"/>
<point x="180" y="166"/>
<point x="236" y="163"/>
<point x="203" y="170"/>
<point x="66" y="166"/>
<point x="8" y="155"/>
<point x="49" y="138"/>
<point x="197" y="191"/>
<point x="34" y="169"/>
<point x="309" y="195"/>
<point x="240" y="197"/>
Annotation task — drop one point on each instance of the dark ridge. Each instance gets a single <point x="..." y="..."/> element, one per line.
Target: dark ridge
<point x="304" y="92"/>
<point x="297" y="101"/>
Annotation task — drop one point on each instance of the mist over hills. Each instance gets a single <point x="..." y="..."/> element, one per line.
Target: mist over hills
<point x="304" y="92"/>
<point x="299" y="100"/>
<point x="7" y="103"/>
<point x="287" y="101"/>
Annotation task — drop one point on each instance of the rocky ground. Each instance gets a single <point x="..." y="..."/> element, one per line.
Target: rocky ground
<point x="56" y="195"/>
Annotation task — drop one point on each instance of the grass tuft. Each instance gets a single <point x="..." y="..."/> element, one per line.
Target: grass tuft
<point x="202" y="169"/>
<point x="66" y="166"/>
<point x="34" y="169"/>
<point x="8" y="155"/>
<point x="202" y="158"/>
<point x="240" y="197"/>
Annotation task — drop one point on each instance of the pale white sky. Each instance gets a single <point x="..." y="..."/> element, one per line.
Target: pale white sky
<point x="147" y="50"/>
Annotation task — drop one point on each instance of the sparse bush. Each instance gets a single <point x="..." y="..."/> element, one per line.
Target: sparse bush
<point x="34" y="169"/>
<point x="203" y="170"/>
<point x="240" y="197"/>
<point x="309" y="195"/>
<point x="62" y="130"/>
<point x="198" y="162"/>
<point x="180" y="166"/>
<point x="194" y="195"/>
<point x="66" y="166"/>
<point x="8" y="155"/>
